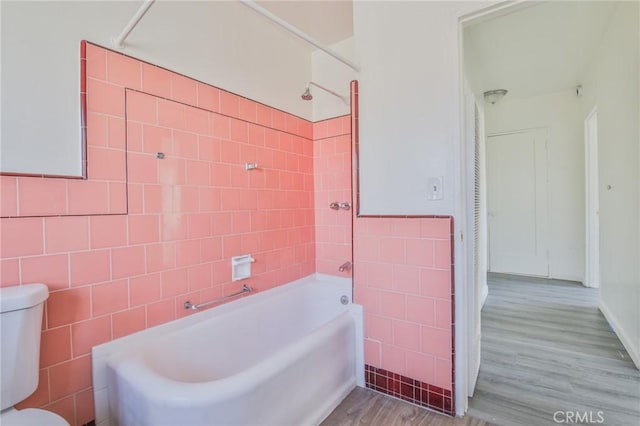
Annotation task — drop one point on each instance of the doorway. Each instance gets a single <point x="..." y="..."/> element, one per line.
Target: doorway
<point x="546" y="196"/>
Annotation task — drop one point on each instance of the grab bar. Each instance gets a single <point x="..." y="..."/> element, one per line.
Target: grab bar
<point x="188" y="305"/>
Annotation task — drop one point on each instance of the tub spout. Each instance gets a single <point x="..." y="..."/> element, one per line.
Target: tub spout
<point x="346" y="266"/>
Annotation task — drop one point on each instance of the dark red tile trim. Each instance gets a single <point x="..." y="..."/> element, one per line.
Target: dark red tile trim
<point x="83" y="105"/>
<point x="408" y="389"/>
<point x="355" y="146"/>
<point x="40" y="175"/>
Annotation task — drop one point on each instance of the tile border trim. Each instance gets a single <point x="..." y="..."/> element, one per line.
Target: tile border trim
<point x="408" y="389"/>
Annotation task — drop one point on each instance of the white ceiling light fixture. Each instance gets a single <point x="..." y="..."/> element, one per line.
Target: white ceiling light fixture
<point x="493" y="96"/>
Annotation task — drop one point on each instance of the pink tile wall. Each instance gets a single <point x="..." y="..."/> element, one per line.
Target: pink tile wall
<point x="124" y="249"/>
<point x="332" y="183"/>
<point x="145" y="234"/>
<point x="402" y="275"/>
<point x="403" y="279"/>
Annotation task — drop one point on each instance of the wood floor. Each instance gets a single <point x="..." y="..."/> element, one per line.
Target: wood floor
<point x="366" y="407"/>
<point x="545" y="348"/>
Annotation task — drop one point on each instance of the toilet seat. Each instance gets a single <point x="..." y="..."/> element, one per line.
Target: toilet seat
<point x="31" y="417"/>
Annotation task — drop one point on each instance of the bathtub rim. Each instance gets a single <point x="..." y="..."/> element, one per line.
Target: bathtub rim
<point x="100" y="353"/>
<point x="139" y="338"/>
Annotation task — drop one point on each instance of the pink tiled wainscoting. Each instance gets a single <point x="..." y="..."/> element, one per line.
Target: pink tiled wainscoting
<point x="122" y="250"/>
<point x="403" y="278"/>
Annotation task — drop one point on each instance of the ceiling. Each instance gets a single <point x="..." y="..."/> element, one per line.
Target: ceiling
<point x="540" y="49"/>
<point x="328" y="21"/>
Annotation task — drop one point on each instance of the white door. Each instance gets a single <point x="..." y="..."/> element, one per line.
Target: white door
<point x="475" y="268"/>
<point x="592" y="260"/>
<point x="517" y="203"/>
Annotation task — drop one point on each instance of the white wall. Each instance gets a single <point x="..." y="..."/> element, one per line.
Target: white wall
<point x="333" y="75"/>
<point x="221" y="43"/>
<point x="410" y="89"/>
<point x="562" y="115"/>
<point x="613" y="87"/>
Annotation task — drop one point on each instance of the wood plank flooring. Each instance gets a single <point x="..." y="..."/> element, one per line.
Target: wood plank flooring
<point x="545" y="348"/>
<point x="366" y="407"/>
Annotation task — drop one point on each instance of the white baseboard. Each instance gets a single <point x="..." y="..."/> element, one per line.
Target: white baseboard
<point x="620" y="332"/>
<point x="574" y="278"/>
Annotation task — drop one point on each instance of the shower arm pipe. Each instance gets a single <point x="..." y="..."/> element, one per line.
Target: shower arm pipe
<point x="298" y="32"/>
<point x="144" y="8"/>
<point x="311" y="83"/>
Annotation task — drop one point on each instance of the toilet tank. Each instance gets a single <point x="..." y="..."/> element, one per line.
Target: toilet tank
<point x="21" y="323"/>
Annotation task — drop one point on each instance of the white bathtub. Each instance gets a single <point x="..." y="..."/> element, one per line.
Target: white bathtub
<point x="286" y="356"/>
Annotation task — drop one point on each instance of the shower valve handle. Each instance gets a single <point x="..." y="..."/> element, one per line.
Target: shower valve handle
<point x="337" y="206"/>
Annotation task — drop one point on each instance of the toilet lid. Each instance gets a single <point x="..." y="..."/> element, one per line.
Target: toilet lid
<point x="32" y="417"/>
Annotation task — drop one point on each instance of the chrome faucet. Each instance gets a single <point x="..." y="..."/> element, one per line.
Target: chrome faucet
<point x="346" y="266"/>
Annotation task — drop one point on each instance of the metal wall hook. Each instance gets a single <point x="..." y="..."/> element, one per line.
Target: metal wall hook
<point x="334" y="206"/>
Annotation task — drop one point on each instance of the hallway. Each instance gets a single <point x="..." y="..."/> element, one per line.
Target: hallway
<point x="546" y="348"/>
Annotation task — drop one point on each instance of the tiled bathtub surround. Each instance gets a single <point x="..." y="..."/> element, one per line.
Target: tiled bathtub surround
<point x="124" y="249"/>
<point x="332" y="183"/>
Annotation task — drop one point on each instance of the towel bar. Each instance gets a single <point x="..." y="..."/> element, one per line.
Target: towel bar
<point x="189" y="305"/>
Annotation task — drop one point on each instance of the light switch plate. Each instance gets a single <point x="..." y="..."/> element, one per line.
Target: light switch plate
<point x="434" y="188"/>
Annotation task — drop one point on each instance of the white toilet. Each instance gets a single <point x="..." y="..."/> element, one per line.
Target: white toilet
<point x="21" y="321"/>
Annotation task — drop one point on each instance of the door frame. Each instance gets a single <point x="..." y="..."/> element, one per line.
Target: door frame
<point x="592" y="203"/>
<point x="465" y="325"/>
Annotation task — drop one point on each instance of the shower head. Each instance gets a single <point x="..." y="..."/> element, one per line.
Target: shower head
<point x="307" y="94"/>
